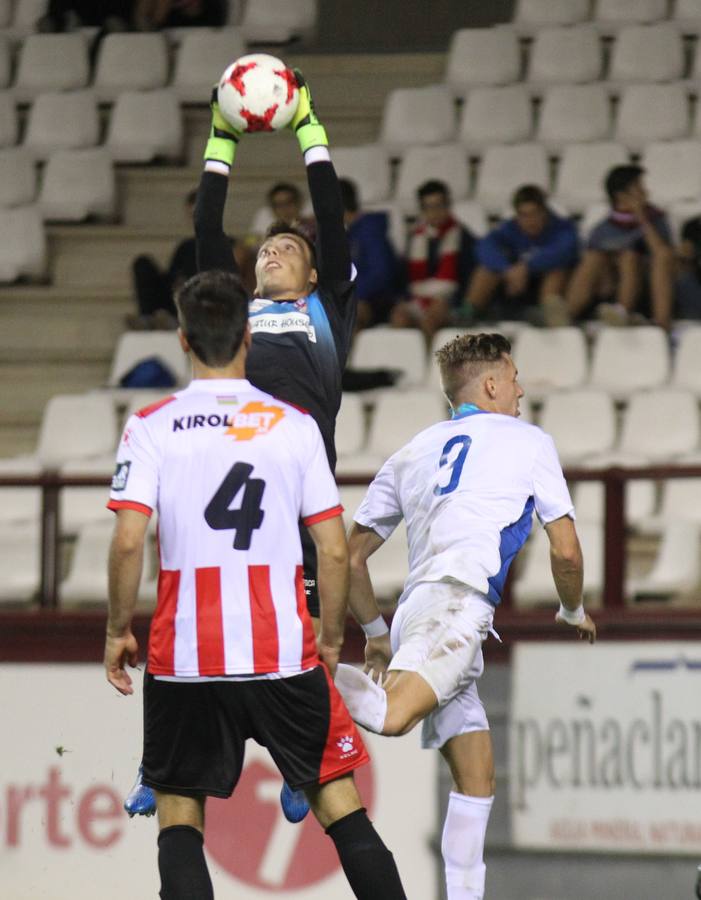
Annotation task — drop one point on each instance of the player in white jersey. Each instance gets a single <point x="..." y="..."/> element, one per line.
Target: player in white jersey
<point x="467" y="489"/>
<point x="232" y="652"/>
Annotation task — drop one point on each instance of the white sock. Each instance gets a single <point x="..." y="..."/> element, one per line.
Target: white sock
<point x="366" y="701"/>
<point x="463" y="845"/>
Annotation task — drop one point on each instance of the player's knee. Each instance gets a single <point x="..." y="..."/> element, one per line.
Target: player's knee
<point x="397" y="721"/>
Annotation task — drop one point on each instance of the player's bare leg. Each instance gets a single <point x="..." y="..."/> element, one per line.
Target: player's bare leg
<point x="394" y="709"/>
<point x="662" y="265"/>
<point x="630" y="279"/>
<point x="482" y="286"/>
<point x="586" y="282"/>
<point x="181" y="860"/>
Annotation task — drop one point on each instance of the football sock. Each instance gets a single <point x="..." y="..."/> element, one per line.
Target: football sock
<point x="368" y="864"/>
<point x="182" y="865"/>
<point x="366" y="701"/>
<point x="463" y="845"/>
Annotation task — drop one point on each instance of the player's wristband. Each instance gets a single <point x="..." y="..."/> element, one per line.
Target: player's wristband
<point x="572" y="616"/>
<point x="376" y="628"/>
<point x="311" y="135"/>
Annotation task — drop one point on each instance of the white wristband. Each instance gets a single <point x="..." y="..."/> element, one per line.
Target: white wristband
<point x="376" y="628"/>
<point x="572" y="616"/>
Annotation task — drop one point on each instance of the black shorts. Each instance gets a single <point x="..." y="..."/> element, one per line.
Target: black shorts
<point x="195" y="732"/>
<point x="309" y="565"/>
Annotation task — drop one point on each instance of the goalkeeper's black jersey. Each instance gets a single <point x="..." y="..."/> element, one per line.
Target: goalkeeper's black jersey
<point x="299" y="347"/>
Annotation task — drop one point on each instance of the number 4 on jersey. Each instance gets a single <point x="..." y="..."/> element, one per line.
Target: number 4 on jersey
<point x="248" y="516"/>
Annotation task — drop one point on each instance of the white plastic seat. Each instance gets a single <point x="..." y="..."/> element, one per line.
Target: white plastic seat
<point x="482" y="56"/>
<point x="687" y="15"/>
<point x="368" y="167"/>
<point x="23" y="245"/>
<point x="687" y="368"/>
<point x="639" y="505"/>
<point x="677" y="566"/>
<point x="20" y="504"/>
<point x="681" y="502"/>
<point x="660" y="425"/>
<point x="537" y="14"/>
<point x="550" y="359"/>
<point x="135" y="346"/>
<point x="389" y="566"/>
<point x="278" y="21"/>
<point x="8" y="119"/>
<point x="20" y="563"/>
<point x="581" y="423"/>
<point x="384" y="347"/>
<point x="142" y="399"/>
<point x="17" y="178"/>
<point x="624" y="12"/>
<point x="574" y="112"/>
<point x="204" y="51"/>
<point x="351" y="498"/>
<point x="504" y="168"/>
<point x="51" y="62"/>
<point x="565" y="55"/>
<point x="131" y="62"/>
<point x="67" y="121"/>
<point x="5" y="13"/>
<point x="5" y="62"/>
<point x="350" y="426"/>
<point x="647" y="53"/>
<point x="651" y="112"/>
<point x="582" y="170"/>
<point x="78" y="184"/>
<point x="626" y="360"/>
<point x="673" y="170"/>
<point x="412" y="116"/>
<point x="145" y="125"/>
<point x="26" y="13"/>
<point x="448" y="162"/>
<point x="471" y="214"/>
<point x="76" y="427"/>
<point x="493" y="115"/>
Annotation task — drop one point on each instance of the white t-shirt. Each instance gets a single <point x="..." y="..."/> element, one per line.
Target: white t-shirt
<point x="467" y="489"/>
<point x="230" y="470"/>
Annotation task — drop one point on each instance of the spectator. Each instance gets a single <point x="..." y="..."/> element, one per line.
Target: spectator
<point x="689" y="278"/>
<point x="629" y="261"/>
<point x="373" y="257"/>
<point x="284" y="201"/>
<point x="529" y="259"/>
<point x="108" y="15"/>
<point x="440" y="260"/>
<point x="150" y="15"/>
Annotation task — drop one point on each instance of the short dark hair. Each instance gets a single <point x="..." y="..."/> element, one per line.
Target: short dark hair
<point x="349" y="195"/>
<point x="213" y="312"/>
<point x="529" y="193"/>
<point x="287" y="188"/>
<point x="620" y="179"/>
<point x="284" y="228"/>
<point x="433" y="186"/>
<point x="464" y="358"/>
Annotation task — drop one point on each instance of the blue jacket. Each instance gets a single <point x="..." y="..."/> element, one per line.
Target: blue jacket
<point x="556" y="247"/>
<point x="373" y="256"/>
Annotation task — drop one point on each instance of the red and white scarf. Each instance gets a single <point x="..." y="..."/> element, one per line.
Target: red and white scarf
<point x="443" y="281"/>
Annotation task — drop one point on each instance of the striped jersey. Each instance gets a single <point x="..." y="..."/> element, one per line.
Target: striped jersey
<point x="467" y="489"/>
<point x="230" y="470"/>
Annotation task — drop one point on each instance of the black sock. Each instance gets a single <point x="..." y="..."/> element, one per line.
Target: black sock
<point x="182" y="865"/>
<point x="368" y="864"/>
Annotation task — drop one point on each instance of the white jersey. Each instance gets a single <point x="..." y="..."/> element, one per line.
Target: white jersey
<point x="230" y="470"/>
<point x="467" y="489"/>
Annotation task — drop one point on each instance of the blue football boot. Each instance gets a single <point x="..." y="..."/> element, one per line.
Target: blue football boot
<point x="141" y="800"/>
<point x="294" y="803"/>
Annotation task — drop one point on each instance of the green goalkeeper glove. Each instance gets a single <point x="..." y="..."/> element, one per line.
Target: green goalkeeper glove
<point x="223" y="137"/>
<point x="310" y="132"/>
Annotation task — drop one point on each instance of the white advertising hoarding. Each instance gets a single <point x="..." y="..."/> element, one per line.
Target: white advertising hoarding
<point x="605" y="747"/>
<point x="70" y="749"/>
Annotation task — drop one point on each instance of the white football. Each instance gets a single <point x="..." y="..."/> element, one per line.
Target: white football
<point x="258" y="92"/>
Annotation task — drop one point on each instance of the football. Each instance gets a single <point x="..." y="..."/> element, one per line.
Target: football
<point x="258" y="92"/>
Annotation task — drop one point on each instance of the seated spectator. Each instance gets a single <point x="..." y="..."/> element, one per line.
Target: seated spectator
<point x="285" y="203"/>
<point x="373" y="256"/>
<point x="68" y="15"/>
<point x="527" y="261"/>
<point x="440" y="260"/>
<point x="150" y="15"/>
<point x="629" y="260"/>
<point x="689" y="277"/>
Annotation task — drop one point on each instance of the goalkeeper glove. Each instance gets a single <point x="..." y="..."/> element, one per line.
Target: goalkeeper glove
<point x="223" y="137"/>
<point x="310" y="132"/>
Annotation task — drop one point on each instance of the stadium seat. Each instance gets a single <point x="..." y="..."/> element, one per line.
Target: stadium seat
<point x="20" y="563"/>
<point x="136" y="346"/>
<point x="384" y="347"/>
<point x="131" y="62"/>
<point x="495" y="115"/>
<point x="647" y="53"/>
<point x="202" y="52"/>
<point x="472" y="216"/>
<point x="78" y="184"/>
<point x="504" y="168"/>
<point x="565" y="55"/>
<point x="625" y="12"/>
<point x="640" y="499"/>
<point x="8" y="119"/>
<point x="5" y="13"/>
<point x="20" y="504"/>
<point x="673" y="170"/>
<point x="446" y="161"/>
<point x="66" y="121"/>
<point x="686" y="15"/>
<point x="550" y="359"/>
<point x="5" y="62"/>
<point x="581" y="423"/>
<point x="533" y="15"/>
<point x="145" y="125"/>
<point x="574" y="112"/>
<point x="26" y="14"/>
<point x="677" y="566"/>
<point x="351" y="498"/>
<point x="661" y="425"/>
<point x="389" y="566"/>
<point x="350" y="426"/>
<point x="687" y="371"/>
<point x="651" y="112"/>
<point x="412" y="116"/>
<point x="23" y="245"/>
<point x="278" y="21"/>
<point x="681" y="502"/>
<point x="626" y="360"/>
<point x="482" y="56"/>
<point x="51" y="62"/>
<point x="140" y="400"/>
<point x="18" y="178"/>
<point x="581" y="173"/>
<point x="368" y="168"/>
<point x="76" y="427"/>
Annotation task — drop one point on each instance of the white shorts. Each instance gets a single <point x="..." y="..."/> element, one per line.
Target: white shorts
<point x="438" y="632"/>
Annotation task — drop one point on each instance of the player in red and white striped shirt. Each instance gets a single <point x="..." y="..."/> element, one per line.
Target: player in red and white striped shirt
<point x="232" y="652"/>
